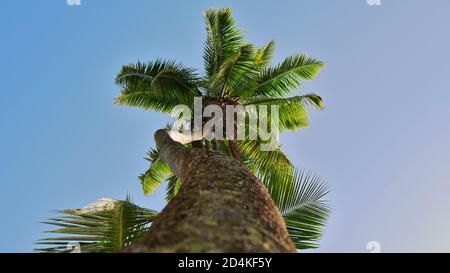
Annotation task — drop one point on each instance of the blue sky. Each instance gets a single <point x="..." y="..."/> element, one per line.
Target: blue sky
<point x="382" y="143"/>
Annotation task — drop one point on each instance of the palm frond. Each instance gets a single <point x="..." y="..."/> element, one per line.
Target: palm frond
<point x="293" y="114"/>
<point x="156" y="174"/>
<point x="264" y="163"/>
<point x="104" y="226"/>
<point x="146" y="100"/>
<point x="223" y="38"/>
<point x="158" y="85"/>
<point x="265" y="54"/>
<point x="282" y="79"/>
<point x="235" y="72"/>
<point x="308" y="99"/>
<point x="173" y="186"/>
<point x="299" y="196"/>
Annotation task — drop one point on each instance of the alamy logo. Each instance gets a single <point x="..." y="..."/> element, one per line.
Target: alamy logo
<point x="374" y="2"/>
<point x="230" y="122"/>
<point x="73" y="2"/>
<point x="73" y="247"/>
<point x="374" y="247"/>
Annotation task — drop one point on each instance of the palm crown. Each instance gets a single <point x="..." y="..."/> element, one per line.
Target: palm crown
<point x="236" y="73"/>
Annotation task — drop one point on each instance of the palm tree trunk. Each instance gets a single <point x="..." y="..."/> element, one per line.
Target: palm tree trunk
<point x="221" y="207"/>
<point x="234" y="150"/>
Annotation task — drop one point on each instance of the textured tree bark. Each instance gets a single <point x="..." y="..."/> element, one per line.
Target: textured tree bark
<point x="234" y="151"/>
<point x="221" y="207"/>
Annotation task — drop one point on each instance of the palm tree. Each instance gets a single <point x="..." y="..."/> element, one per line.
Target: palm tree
<point x="223" y="195"/>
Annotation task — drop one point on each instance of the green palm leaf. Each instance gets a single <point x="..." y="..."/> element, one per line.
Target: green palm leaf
<point x="173" y="186"/>
<point x="299" y="196"/>
<point x="158" y="85"/>
<point x="105" y="226"/>
<point x="293" y="114"/>
<point x="235" y="73"/>
<point x="141" y="98"/>
<point x="158" y="172"/>
<point x="308" y="99"/>
<point x="223" y="39"/>
<point x="282" y="79"/>
<point x="264" y="162"/>
<point x="265" y="54"/>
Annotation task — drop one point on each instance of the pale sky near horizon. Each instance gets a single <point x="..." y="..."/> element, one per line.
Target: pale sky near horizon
<point x="382" y="143"/>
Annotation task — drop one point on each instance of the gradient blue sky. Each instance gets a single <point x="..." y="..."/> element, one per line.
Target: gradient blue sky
<point x="382" y="143"/>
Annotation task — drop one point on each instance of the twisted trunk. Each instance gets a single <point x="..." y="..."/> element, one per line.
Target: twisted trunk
<point x="221" y="207"/>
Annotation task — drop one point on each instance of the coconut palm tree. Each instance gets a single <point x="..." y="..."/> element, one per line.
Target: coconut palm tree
<point x="223" y="195"/>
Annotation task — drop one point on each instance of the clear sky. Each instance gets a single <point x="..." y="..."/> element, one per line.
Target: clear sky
<point x="382" y="143"/>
